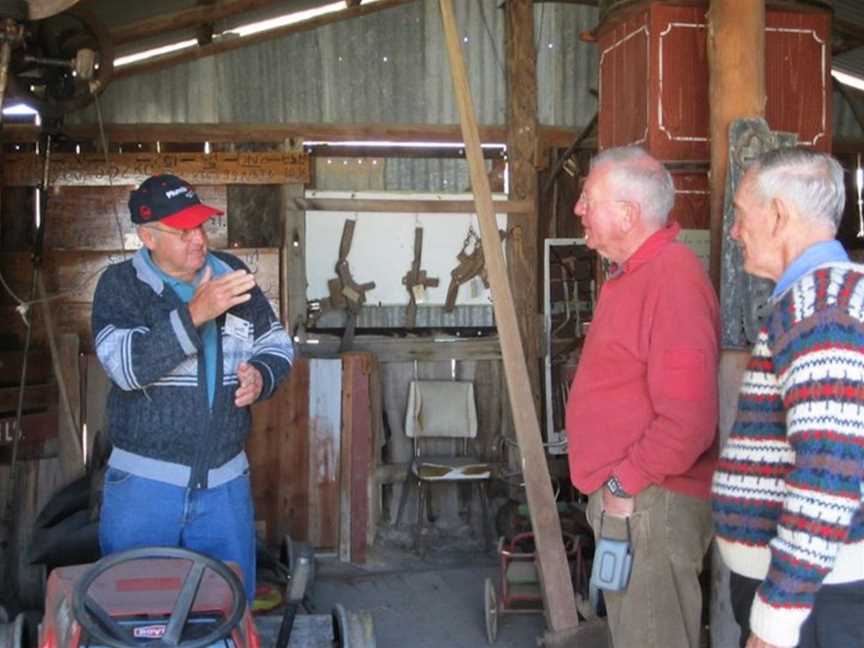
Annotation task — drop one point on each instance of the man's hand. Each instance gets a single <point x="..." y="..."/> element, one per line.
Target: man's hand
<point x="756" y="642"/>
<point x="617" y="506"/>
<point x="215" y="296"/>
<point x="251" y="384"/>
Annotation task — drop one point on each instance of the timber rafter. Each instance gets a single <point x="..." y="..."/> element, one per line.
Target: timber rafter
<point x="549" y="136"/>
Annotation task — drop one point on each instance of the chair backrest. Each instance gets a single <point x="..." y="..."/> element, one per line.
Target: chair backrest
<point x="441" y="408"/>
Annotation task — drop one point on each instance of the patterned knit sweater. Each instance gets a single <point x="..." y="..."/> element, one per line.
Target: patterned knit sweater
<point x="788" y="490"/>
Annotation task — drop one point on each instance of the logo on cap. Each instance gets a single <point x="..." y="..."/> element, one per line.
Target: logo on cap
<point x="144" y="212"/>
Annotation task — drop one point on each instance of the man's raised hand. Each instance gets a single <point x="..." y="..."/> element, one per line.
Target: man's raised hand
<point x="215" y="296"/>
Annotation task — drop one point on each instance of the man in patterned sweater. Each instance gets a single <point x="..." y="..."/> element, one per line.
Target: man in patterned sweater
<point x="189" y="342"/>
<point x="787" y="493"/>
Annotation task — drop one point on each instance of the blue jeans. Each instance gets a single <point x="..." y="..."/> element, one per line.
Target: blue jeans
<point x="218" y="522"/>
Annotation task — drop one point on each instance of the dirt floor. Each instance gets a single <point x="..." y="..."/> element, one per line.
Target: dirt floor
<point x="430" y="602"/>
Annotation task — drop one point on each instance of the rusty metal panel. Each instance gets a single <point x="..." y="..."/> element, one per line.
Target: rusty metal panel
<point x="798" y="76"/>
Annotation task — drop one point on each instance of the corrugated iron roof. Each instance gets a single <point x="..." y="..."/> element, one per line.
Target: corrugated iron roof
<point x="386" y="67"/>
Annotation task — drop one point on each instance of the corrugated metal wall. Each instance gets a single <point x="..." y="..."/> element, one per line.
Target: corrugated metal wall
<point x="390" y="66"/>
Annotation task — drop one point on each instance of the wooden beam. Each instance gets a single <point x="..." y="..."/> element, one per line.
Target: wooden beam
<point x="413" y="152"/>
<point x="557" y="587"/>
<point x="522" y="242"/>
<point x="736" y="63"/>
<point x="76" y="273"/>
<point x="232" y="42"/>
<point x="408" y="206"/>
<point x="36" y="397"/>
<point x="549" y="136"/>
<point x="292" y="258"/>
<point x="184" y="19"/>
<point x="36" y="428"/>
<point x="393" y="349"/>
<point x="90" y="169"/>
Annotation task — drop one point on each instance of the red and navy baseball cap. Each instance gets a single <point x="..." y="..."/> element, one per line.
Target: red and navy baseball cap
<point x="169" y="200"/>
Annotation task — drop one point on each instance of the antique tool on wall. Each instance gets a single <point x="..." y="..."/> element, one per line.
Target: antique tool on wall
<point x="345" y="293"/>
<point x="416" y="281"/>
<point x="470" y="265"/>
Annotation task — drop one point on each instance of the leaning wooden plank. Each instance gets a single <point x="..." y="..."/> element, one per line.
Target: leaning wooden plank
<point x="90" y="169"/>
<point x="97" y="218"/>
<point x="559" y="598"/>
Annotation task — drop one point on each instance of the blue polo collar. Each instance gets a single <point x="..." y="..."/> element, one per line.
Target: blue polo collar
<point x="814" y="256"/>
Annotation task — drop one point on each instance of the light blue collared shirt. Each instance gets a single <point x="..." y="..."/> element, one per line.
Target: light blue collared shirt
<point x="813" y="257"/>
<point x="208" y="331"/>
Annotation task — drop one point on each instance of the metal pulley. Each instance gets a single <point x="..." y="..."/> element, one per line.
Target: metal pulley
<point x="56" y="63"/>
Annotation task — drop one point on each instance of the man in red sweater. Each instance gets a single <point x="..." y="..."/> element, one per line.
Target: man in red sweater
<point x="642" y="411"/>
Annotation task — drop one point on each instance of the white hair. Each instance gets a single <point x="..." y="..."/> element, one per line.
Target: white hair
<point x="812" y="181"/>
<point x="635" y="173"/>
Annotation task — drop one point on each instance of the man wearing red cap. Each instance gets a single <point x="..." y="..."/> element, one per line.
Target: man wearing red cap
<point x="189" y="342"/>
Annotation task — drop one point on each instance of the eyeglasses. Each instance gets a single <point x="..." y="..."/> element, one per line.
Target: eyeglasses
<point x="587" y="205"/>
<point x="185" y="235"/>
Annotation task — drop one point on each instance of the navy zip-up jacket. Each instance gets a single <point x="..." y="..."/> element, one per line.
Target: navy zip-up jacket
<point x="159" y="418"/>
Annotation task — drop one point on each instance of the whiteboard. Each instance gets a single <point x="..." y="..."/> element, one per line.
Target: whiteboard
<point x="382" y="249"/>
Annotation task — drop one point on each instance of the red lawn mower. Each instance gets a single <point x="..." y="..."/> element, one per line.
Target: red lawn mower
<point x="154" y="597"/>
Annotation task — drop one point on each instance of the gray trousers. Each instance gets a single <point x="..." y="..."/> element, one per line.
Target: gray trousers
<point x="662" y="605"/>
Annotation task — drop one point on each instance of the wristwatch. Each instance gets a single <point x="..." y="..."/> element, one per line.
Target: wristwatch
<point x="616" y="488"/>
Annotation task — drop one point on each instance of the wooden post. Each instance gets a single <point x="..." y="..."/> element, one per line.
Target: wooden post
<point x="736" y="64"/>
<point x="521" y="142"/>
<point x="292" y="284"/>
<point x="560" y="602"/>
